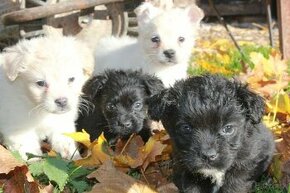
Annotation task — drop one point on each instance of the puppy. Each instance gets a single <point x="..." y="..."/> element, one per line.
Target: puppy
<point x="219" y="141"/>
<point x="40" y="83"/>
<point x="166" y="38"/>
<point x="119" y="104"/>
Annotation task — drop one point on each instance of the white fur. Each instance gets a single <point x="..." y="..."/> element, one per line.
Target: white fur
<point x="216" y="176"/>
<point x="142" y="53"/>
<point x="28" y="113"/>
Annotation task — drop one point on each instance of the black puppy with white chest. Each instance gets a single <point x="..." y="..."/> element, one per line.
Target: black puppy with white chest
<point x="220" y="144"/>
<point x="119" y="104"/>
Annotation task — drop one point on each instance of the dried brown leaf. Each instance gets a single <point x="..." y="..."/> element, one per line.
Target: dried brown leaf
<point x="112" y="180"/>
<point x="16" y="181"/>
<point x="7" y="161"/>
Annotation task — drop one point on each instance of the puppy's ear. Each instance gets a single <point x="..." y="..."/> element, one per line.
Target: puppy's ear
<point x="145" y="12"/>
<point x="252" y="103"/>
<point x="194" y="13"/>
<point x="152" y="84"/>
<point x="94" y="86"/>
<point x="157" y="105"/>
<point x="88" y="60"/>
<point x="13" y="60"/>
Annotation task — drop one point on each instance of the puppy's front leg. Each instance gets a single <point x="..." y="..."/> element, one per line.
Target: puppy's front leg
<point x="236" y="181"/>
<point x="188" y="183"/>
<point x="24" y="142"/>
<point x="64" y="145"/>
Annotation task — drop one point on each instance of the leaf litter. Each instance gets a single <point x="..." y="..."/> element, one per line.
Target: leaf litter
<point x="135" y="166"/>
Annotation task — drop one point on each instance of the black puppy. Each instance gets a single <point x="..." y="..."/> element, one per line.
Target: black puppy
<point x="119" y="104"/>
<point x="220" y="144"/>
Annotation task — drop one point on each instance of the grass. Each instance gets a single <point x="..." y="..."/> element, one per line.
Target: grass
<point x="267" y="185"/>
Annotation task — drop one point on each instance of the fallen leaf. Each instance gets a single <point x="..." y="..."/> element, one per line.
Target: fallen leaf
<point x="16" y="181"/>
<point x="152" y="148"/>
<point x="7" y="161"/>
<point x="81" y="137"/>
<point x="128" y="153"/>
<point x="99" y="153"/>
<point x="280" y="103"/>
<point x="136" y="156"/>
<point x="111" y="180"/>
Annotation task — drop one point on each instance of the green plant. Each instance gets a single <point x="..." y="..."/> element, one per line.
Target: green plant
<point x="267" y="185"/>
<point x="60" y="173"/>
<point x="135" y="173"/>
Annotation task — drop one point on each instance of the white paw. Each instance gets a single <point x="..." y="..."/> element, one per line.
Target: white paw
<point x="24" y="143"/>
<point x="65" y="146"/>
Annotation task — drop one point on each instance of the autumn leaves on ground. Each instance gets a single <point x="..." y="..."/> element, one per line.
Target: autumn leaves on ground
<point x="137" y="167"/>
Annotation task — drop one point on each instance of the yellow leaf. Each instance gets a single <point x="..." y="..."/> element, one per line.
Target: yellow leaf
<point x="81" y="137"/>
<point x="152" y="149"/>
<point x="261" y="62"/>
<point x="126" y="160"/>
<point x="282" y="105"/>
<point x="100" y="152"/>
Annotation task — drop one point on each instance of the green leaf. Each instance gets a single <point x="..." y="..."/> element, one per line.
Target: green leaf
<point x="36" y="168"/>
<point x="17" y="156"/>
<point x="79" y="186"/>
<point x="79" y="171"/>
<point x="56" y="170"/>
<point x="30" y="156"/>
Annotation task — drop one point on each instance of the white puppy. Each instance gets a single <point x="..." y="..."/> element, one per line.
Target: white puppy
<point x="40" y="85"/>
<point x="164" y="46"/>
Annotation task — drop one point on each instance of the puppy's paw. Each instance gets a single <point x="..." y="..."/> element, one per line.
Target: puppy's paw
<point x="24" y="143"/>
<point x="65" y="146"/>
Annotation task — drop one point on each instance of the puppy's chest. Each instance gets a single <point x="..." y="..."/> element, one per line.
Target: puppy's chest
<point x="216" y="176"/>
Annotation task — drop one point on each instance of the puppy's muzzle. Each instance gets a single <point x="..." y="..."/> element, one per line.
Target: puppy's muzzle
<point x="170" y="54"/>
<point x="127" y="124"/>
<point x="61" y="104"/>
<point x="210" y="154"/>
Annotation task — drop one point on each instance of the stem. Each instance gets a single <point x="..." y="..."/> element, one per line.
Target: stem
<point x="222" y="21"/>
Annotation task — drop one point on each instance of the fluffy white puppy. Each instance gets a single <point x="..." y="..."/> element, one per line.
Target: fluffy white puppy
<point x="40" y="85"/>
<point x="164" y="45"/>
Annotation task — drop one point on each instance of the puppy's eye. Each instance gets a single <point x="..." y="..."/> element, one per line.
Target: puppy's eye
<point x="181" y="39"/>
<point x="41" y="83"/>
<point x="137" y="105"/>
<point x="185" y="128"/>
<point x="227" y="130"/>
<point x="155" y="39"/>
<point x="71" y="79"/>
<point x="110" y="107"/>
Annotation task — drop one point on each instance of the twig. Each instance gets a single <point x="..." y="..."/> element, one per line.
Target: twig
<point x="127" y="143"/>
<point x="222" y="21"/>
<point x="143" y="174"/>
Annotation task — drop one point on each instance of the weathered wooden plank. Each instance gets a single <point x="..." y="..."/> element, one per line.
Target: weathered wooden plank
<point x="284" y="27"/>
<point x="34" y="13"/>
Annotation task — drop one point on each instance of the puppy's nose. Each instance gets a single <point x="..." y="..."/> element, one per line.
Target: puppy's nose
<point x="127" y="124"/>
<point x="170" y="53"/>
<point x="61" y="102"/>
<point x="210" y="154"/>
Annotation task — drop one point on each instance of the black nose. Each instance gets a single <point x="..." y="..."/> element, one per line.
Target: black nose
<point x="127" y="124"/>
<point x="61" y="102"/>
<point x="170" y="53"/>
<point x="210" y="154"/>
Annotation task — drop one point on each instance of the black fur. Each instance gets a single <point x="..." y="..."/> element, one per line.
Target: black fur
<point x="215" y="125"/>
<point x="119" y="104"/>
